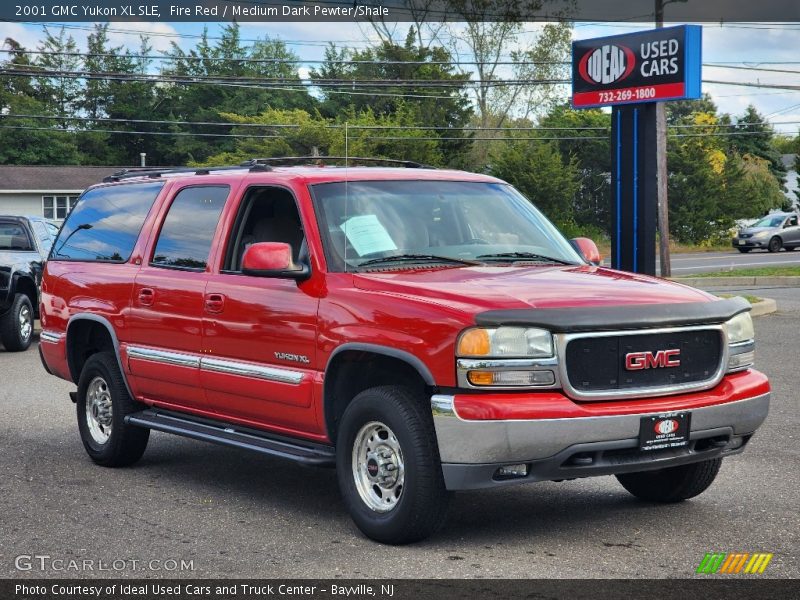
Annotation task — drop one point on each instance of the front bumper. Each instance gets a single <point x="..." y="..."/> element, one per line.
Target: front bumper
<point x="472" y="450"/>
<point x="750" y="243"/>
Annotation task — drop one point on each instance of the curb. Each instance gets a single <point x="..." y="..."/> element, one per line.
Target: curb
<point x="765" y="307"/>
<point x="739" y="281"/>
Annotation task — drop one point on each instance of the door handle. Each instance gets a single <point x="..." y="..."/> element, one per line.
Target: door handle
<point x="215" y="303"/>
<point x="146" y="296"/>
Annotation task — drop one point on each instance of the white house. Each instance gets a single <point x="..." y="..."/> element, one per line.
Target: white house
<point x="46" y="191"/>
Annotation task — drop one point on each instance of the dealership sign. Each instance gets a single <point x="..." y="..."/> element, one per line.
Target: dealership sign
<point x="648" y="66"/>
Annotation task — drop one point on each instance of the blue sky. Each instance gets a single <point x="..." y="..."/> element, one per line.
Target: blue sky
<point x="741" y="44"/>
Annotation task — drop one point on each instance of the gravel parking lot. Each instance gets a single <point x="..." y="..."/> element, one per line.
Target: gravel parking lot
<point x="226" y="513"/>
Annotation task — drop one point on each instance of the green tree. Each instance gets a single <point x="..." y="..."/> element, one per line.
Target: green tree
<point x="756" y="138"/>
<point x="538" y="170"/>
<point x="711" y="185"/>
<point x="25" y="140"/>
<point x="441" y="103"/>
<point x="59" y="91"/>
<point x="585" y="139"/>
<point x="299" y="133"/>
<point x="235" y="86"/>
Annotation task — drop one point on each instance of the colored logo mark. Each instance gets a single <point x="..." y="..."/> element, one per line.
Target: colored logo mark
<point x="734" y="562"/>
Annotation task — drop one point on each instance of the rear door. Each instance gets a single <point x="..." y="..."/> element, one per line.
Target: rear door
<point x="164" y="341"/>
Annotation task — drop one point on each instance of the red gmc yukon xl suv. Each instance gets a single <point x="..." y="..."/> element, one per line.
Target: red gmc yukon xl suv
<point x="421" y="330"/>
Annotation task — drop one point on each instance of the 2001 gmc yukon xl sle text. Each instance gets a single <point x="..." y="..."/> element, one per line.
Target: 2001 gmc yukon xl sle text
<point x="424" y="331"/>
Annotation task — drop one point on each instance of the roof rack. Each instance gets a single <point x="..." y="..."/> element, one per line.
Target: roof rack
<point x="153" y="173"/>
<point x="256" y="165"/>
<point x="321" y="160"/>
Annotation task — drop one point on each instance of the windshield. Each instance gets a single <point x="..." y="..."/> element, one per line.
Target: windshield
<point x="771" y="221"/>
<point x="457" y="222"/>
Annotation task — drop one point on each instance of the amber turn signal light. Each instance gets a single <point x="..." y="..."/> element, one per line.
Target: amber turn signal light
<point x="474" y="342"/>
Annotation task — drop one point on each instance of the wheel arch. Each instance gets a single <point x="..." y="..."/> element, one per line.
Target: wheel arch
<point x="24" y="284"/>
<point x="88" y="334"/>
<point x="355" y="367"/>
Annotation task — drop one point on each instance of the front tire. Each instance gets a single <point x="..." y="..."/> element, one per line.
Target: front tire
<point x="16" y="325"/>
<point x="103" y="403"/>
<point x="774" y="244"/>
<point x="743" y="250"/>
<point x="388" y="466"/>
<point x="673" y="484"/>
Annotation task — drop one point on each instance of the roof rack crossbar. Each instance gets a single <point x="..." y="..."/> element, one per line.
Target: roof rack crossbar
<point x="156" y="173"/>
<point x="409" y="164"/>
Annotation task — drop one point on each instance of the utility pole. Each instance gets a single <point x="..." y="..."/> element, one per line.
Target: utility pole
<point x="661" y="167"/>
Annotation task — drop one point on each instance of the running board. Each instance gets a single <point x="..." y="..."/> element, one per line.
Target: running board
<point x="227" y="434"/>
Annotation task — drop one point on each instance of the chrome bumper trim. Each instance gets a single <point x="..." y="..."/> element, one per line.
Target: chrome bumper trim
<point x="50" y="337"/>
<point x="509" y="441"/>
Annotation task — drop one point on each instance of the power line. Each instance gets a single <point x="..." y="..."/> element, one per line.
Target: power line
<point x="775" y="86"/>
<point x="262" y="81"/>
<point x="381" y="138"/>
<point x="739" y="124"/>
<point x="167" y="57"/>
<point x="749" y="68"/>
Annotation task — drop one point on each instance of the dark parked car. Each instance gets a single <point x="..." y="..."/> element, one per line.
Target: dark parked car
<point x="773" y="232"/>
<point x="24" y="245"/>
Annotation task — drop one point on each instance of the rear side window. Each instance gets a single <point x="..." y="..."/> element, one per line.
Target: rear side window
<point x="185" y="238"/>
<point x="14" y="237"/>
<point x="105" y="223"/>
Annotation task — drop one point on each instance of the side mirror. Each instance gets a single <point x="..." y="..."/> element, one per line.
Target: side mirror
<point x="588" y="249"/>
<point x="272" y="259"/>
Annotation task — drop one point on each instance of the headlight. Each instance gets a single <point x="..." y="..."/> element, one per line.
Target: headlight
<point x="740" y="328"/>
<point x="761" y="234"/>
<point x="505" y="342"/>
<point x="741" y="344"/>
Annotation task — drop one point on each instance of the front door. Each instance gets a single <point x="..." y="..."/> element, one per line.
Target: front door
<point x="260" y="333"/>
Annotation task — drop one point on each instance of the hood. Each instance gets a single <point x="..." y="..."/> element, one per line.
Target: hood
<point x="754" y="230"/>
<point x="475" y="289"/>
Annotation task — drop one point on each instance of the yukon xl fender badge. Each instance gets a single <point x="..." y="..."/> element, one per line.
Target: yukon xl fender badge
<point x="635" y="361"/>
<point x="292" y="357"/>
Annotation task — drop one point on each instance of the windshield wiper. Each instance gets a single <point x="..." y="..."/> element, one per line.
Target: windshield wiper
<point x="417" y="258"/>
<point x="523" y="256"/>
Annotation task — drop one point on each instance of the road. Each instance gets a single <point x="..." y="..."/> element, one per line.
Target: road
<point x="234" y="514"/>
<point x="705" y="262"/>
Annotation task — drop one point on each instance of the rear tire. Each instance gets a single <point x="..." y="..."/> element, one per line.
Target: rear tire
<point x="673" y="484"/>
<point x="103" y="403"/>
<point x="388" y="466"/>
<point x="16" y="325"/>
<point x="774" y="244"/>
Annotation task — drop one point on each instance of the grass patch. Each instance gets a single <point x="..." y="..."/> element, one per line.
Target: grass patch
<point x="788" y="271"/>
<point x="748" y="297"/>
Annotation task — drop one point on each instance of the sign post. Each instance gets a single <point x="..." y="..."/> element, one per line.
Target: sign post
<point x="631" y="73"/>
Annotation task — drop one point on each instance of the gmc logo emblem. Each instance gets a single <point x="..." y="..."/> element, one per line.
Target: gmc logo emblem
<point x="636" y="361"/>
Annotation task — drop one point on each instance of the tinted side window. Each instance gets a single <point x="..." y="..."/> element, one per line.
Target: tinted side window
<point x="105" y="223"/>
<point x="185" y="238"/>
